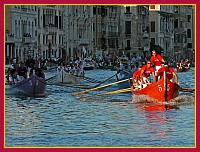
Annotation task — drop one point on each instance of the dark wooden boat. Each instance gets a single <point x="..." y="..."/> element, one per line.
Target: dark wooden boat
<point x="33" y="86"/>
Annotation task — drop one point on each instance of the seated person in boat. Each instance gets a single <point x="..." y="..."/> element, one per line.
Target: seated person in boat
<point x="145" y="74"/>
<point x="39" y="72"/>
<point x="170" y="73"/>
<point x="22" y="71"/>
<point x="124" y="70"/>
<point x="187" y="64"/>
<point x="136" y="77"/>
<point x="61" y="67"/>
<point x="29" y="62"/>
<point x="13" y="75"/>
<point x="71" y="69"/>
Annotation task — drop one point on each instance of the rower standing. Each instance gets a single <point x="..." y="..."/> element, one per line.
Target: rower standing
<point x="156" y="60"/>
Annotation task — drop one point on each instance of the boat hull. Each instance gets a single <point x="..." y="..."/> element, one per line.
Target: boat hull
<point x="157" y="91"/>
<point x="64" y="77"/>
<point x="33" y="86"/>
<point x="182" y="69"/>
<point x="125" y="84"/>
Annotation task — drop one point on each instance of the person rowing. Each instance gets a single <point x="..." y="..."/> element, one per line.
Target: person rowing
<point x="146" y="71"/>
<point x="170" y="73"/>
<point x="136" y="77"/>
<point x="39" y="72"/>
<point x="22" y="71"/>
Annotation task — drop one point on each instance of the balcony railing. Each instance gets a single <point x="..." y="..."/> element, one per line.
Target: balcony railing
<point x="145" y="34"/>
<point x="51" y="30"/>
<point x="113" y="34"/>
<point x="83" y="42"/>
<point x="26" y="40"/>
<point x="9" y="38"/>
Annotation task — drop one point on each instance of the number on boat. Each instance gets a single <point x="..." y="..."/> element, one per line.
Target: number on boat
<point x="30" y="82"/>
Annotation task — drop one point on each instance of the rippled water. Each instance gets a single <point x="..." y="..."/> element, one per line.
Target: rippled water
<point x="59" y="119"/>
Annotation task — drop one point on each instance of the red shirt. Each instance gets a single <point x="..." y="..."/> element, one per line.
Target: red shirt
<point x="147" y="71"/>
<point x="136" y="74"/>
<point x="157" y="60"/>
<point x="169" y="72"/>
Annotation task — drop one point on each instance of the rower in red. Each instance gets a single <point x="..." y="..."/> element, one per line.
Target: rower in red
<point x="156" y="60"/>
<point x="170" y="73"/>
<point x="146" y="71"/>
<point x="136" y="77"/>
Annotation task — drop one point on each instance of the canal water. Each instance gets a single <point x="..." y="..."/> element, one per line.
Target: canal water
<point x="62" y="120"/>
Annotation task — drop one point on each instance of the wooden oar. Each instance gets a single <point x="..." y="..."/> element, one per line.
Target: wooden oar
<point x="76" y="93"/>
<point x="109" y="93"/>
<point x="119" y="91"/>
<point x="104" y="81"/>
<point x="51" y="77"/>
<point x="187" y="89"/>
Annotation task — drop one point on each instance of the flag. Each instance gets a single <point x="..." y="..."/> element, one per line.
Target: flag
<point x="84" y="51"/>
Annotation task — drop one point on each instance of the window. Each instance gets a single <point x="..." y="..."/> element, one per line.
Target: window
<point x="127" y="27"/>
<point x="93" y="26"/>
<point x="153" y="40"/>
<point x="176" y="23"/>
<point x="152" y="6"/>
<point x="189" y="33"/>
<point x="189" y="45"/>
<point x="153" y="26"/>
<point x="128" y="10"/>
<point x="94" y="10"/>
<point x="128" y="43"/>
<point x="176" y="38"/>
<point x="189" y="18"/>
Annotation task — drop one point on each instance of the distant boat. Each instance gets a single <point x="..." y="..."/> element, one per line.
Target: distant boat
<point x="33" y="86"/>
<point x="64" y="77"/>
<point x="183" y="66"/>
<point x="88" y="64"/>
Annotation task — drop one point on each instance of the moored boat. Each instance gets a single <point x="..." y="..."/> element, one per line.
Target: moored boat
<point x="160" y="91"/>
<point x="33" y="86"/>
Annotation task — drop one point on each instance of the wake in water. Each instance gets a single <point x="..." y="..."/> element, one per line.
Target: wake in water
<point x="180" y="100"/>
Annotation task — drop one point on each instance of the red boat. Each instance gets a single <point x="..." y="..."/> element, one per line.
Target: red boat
<point x="163" y="90"/>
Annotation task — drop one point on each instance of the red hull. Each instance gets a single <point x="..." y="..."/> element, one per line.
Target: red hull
<point x="156" y="90"/>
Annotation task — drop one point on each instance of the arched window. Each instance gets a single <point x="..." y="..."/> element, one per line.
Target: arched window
<point x="176" y="23"/>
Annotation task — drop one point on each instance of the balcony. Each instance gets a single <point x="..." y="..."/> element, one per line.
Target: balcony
<point x="51" y="30"/>
<point x="9" y="38"/>
<point x="26" y="40"/>
<point x="83" y="42"/>
<point x="113" y="34"/>
<point x="145" y="35"/>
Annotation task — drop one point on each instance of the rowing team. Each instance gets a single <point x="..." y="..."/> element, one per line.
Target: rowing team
<point x="141" y="77"/>
<point x="72" y="69"/>
<point x="185" y="64"/>
<point x="17" y="74"/>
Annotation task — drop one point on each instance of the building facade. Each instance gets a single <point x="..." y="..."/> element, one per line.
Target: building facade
<point x="172" y="28"/>
<point x="20" y="32"/>
<point x="57" y="31"/>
